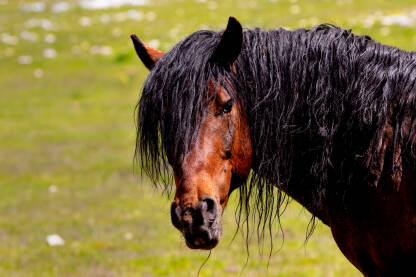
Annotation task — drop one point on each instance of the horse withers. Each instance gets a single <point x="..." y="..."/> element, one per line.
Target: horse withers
<point x="323" y="115"/>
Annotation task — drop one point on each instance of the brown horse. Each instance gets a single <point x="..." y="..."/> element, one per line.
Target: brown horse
<point x="324" y="115"/>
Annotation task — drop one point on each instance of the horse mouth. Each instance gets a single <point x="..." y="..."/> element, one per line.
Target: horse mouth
<point x="204" y="246"/>
<point x="205" y="239"/>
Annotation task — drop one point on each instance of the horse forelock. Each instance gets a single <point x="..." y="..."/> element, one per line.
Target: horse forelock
<point x="173" y="99"/>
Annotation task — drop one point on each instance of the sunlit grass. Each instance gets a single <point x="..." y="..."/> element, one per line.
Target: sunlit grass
<point x="66" y="120"/>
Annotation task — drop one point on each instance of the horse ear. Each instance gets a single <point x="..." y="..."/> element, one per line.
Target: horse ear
<point x="230" y="44"/>
<point x="147" y="54"/>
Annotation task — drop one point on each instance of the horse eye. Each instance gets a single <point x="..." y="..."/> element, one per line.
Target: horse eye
<point x="226" y="108"/>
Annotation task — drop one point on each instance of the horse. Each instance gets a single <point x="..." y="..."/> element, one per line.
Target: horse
<point x="321" y="115"/>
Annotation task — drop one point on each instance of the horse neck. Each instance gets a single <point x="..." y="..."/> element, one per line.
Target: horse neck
<point x="298" y="87"/>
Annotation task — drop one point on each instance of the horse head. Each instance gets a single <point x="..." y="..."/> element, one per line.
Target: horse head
<point x="219" y="156"/>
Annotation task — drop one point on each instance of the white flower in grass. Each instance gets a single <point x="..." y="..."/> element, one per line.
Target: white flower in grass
<point x="49" y="53"/>
<point x="116" y="32"/>
<point x="134" y="15"/>
<point x="155" y="43"/>
<point x="212" y="5"/>
<point x="401" y="19"/>
<point x="55" y="240"/>
<point x="26" y="59"/>
<point x="31" y="23"/>
<point x="369" y="22"/>
<point x="50" y="38"/>
<point x="303" y="22"/>
<point x="26" y="35"/>
<point x="150" y="16"/>
<point x="52" y="189"/>
<point x="120" y="17"/>
<point x="60" y="7"/>
<point x="38" y="73"/>
<point x="101" y="50"/>
<point x="106" y="50"/>
<point x="45" y="24"/>
<point x="173" y="33"/>
<point x="9" y="39"/>
<point x="295" y="9"/>
<point x="33" y="7"/>
<point x="105" y="4"/>
<point x="397" y="19"/>
<point x="105" y="18"/>
<point x="128" y="236"/>
<point x="85" y="21"/>
<point x="313" y="21"/>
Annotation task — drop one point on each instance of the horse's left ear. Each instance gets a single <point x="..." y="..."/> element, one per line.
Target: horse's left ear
<point x="147" y="54"/>
<point x="230" y="44"/>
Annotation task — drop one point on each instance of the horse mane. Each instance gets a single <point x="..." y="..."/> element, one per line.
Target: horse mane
<point x="317" y="103"/>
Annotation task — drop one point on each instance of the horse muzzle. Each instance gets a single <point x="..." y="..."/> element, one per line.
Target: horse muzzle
<point x="200" y="225"/>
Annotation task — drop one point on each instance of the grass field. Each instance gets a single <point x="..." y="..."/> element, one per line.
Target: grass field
<point x="69" y="81"/>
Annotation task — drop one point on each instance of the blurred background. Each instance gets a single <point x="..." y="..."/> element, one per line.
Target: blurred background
<point x="71" y="203"/>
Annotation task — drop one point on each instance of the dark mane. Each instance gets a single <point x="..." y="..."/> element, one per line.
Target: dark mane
<point x="317" y="103"/>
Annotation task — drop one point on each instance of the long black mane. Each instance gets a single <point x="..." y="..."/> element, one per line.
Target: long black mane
<point x="316" y="101"/>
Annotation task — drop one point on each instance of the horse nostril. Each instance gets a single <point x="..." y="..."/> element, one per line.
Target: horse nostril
<point x="211" y="203"/>
<point x="208" y="206"/>
<point x="175" y="212"/>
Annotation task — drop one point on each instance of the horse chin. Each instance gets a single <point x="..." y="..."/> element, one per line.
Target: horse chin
<point x="204" y="246"/>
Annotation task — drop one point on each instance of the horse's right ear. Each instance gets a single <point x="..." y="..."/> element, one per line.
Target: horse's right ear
<point x="147" y="54"/>
<point x="230" y="44"/>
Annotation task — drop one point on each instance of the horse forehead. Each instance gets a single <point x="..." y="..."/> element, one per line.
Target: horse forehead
<point x="214" y="87"/>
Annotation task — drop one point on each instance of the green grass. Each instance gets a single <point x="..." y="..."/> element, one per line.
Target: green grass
<point x="73" y="128"/>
